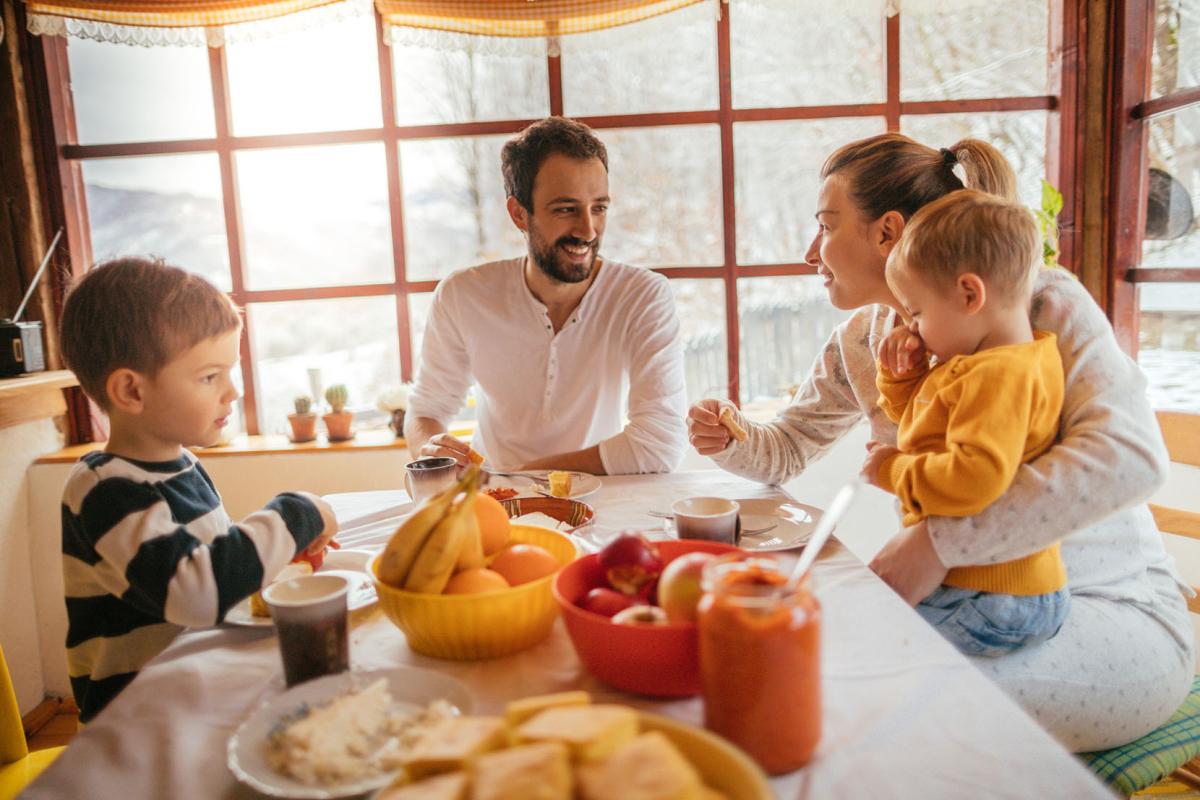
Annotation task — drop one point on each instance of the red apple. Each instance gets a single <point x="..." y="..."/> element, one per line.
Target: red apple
<point x="641" y="615"/>
<point x="630" y="562"/>
<point x="605" y="602"/>
<point x="679" y="586"/>
<point x="315" y="561"/>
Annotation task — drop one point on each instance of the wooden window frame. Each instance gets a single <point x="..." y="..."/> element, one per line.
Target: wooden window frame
<point x="67" y="192"/>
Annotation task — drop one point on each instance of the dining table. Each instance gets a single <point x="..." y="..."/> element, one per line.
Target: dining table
<point x="904" y="714"/>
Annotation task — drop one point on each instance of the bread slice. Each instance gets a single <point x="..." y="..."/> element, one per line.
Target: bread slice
<point x="451" y="786"/>
<point x="735" y="430"/>
<point x="533" y="772"/>
<point x="590" y="732"/>
<point x="298" y="569"/>
<point x="453" y="743"/>
<point x="648" y="768"/>
<point x="518" y="711"/>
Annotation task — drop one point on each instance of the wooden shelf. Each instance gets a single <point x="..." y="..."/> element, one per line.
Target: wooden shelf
<point x="27" y="398"/>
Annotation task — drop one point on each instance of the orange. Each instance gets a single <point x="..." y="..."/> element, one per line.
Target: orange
<point x="523" y="563"/>
<point x="474" y="581"/>
<point x="494" y="526"/>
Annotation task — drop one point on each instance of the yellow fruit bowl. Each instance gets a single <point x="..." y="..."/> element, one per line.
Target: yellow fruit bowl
<point x="465" y="627"/>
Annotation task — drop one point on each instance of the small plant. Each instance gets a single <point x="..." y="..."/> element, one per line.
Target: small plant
<point x="303" y="405"/>
<point x="1047" y="219"/>
<point x="303" y="422"/>
<point x="337" y="396"/>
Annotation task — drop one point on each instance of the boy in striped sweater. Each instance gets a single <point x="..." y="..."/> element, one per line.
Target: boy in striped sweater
<point x="147" y="546"/>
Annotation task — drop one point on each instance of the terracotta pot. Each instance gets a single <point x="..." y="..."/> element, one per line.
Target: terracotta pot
<point x="337" y="425"/>
<point x="304" y="427"/>
<point x="397" y="422"/>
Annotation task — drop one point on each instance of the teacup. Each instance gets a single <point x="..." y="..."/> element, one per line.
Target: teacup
<point x="714" y="519"/>
<point x="427" y="476"/>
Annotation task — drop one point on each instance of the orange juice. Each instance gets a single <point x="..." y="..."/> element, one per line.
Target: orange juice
<point x="760" y="662"/>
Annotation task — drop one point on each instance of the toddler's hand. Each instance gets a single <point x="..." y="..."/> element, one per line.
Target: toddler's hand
<point x="329" y="522"/>
<point x="902" y="350"/>
<point x="877" y="453"/>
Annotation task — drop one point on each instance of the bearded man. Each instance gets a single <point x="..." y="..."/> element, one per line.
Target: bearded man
<point x="576" y="359"/>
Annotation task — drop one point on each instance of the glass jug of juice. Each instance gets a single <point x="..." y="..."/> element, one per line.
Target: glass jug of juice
<point x="760" y="661"/>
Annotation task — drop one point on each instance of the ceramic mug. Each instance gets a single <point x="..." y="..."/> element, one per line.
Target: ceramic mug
<point x="712" y="518"/>
<point x="310" y="615"/>
<point x="427" y="476"/>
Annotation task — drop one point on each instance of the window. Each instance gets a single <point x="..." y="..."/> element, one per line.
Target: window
<point x="328" y="180"/>
<point x="1155" y="302"/>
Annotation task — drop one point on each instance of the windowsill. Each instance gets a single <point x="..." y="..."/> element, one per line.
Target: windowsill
<point x="275" y="444"/>
<point x="35" y="396"/>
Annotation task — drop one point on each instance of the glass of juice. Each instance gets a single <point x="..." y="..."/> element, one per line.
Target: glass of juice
<point x="760" y="661"/>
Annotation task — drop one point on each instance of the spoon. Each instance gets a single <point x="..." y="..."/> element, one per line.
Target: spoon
<point x="821" y="535"/>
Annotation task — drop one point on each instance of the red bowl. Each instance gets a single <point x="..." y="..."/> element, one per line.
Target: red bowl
<point x="656" y="660"/>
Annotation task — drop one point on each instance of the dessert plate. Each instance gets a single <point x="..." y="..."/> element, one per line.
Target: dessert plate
<point x="350" y="564"/>
<point x="536" y="482"/>
<point x="793" y="524"/>
<point x="411" y="690"/>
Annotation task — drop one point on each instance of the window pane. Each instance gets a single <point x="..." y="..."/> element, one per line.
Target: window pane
<point x="784" y="58"/>
<point x="778" y="166"/>
<point x="1171" y="236"/>
<point x="418" y="314"/>
<point x="1020" y="136"/>
<point x="1176" y="61"/>
<point x="352" y="341"/>
<point x="666" y="196"/>
<point x="666" y="63"/>
<point x="315" y="216"/>
<point x="974" y="49"/>
<point x="168" y="206"/>
<point x="1169" y="347"/>
<point x="784" y="322"/>
<point x="701" y="308"/>
<point x="454" y="206"/>
<point x="472" y="85"/>
<point x="326" y="78"/>
<point x="139" y="94"/>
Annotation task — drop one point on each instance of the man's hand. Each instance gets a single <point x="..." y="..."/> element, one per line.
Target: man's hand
<point x="328" y="520"/>
<point x="877" y="453"/>
<point x="443" y="444"/>
<point x="902" y="350"/>
<point x="705" y="431"/>
<point x="909" y="564"/>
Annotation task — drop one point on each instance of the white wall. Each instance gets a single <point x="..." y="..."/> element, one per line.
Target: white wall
<point x="20" y="445"/>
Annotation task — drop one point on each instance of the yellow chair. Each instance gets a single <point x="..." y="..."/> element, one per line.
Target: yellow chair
<point x="18" y="766"/>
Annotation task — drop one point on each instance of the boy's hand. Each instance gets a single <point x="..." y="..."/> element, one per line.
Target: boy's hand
<point x="329" y="522"/>
<point x="877" y="453"/>
<point x="902" y="350"/>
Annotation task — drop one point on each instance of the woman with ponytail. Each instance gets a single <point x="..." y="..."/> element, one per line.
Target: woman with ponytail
<point x="1123" y="660"/>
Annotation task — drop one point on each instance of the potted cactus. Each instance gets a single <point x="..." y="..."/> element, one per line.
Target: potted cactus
<point x="337" y="421"/>
<point x="304" y="421"/>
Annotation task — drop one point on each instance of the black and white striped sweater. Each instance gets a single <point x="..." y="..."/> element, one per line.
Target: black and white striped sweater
<point x="148" y="549"/>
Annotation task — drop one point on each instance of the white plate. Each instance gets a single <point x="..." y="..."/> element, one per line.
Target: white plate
<point x="794" y="524"/>
<point x="350" y="564"/>
<point x="411" y="689"/>
<point x="582" y="483"/>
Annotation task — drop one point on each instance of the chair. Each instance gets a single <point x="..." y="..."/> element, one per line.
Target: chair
<point x="18" y="766"/>
<point x="1168" y="749"/>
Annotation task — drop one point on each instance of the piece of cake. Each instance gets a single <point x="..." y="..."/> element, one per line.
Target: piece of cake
<point x="590" y="732"/>
<point x="454" y="743"/>
<point x="647" y="768"/>
<point x="451" y="786"/>
<point x="731" y="424"/>
<point x="518" y="711"/>
<point x="560" y="483"/>
<point x="258" y="606"/>
<point x="533" y="772"/>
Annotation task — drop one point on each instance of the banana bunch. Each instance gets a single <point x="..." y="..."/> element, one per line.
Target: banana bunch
<point x="441" y="535"/>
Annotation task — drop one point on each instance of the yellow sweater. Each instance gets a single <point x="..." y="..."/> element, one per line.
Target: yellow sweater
<point x="966" y="426"/>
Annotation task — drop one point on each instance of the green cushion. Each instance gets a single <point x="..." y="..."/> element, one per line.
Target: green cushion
<point x="1145" y="761"/>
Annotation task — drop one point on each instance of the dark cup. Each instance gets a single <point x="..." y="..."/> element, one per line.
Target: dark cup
<point x="311" y="618"/>
<point x="425" y="477"/>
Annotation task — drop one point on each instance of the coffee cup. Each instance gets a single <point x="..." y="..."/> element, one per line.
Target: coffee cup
<point x="427" y="476"/>
<point x="714" y="519"/>
<point x="310" y="615"/>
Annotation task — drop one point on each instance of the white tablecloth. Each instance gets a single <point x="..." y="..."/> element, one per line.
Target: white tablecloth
<point x="905" y="715"/>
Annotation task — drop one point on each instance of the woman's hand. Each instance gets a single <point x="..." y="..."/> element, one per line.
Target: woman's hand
<point x="909" y="564"/>
<point x="902" y="349"/>
<point x="877" y="453"/>
<point x="705" y="431"/>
